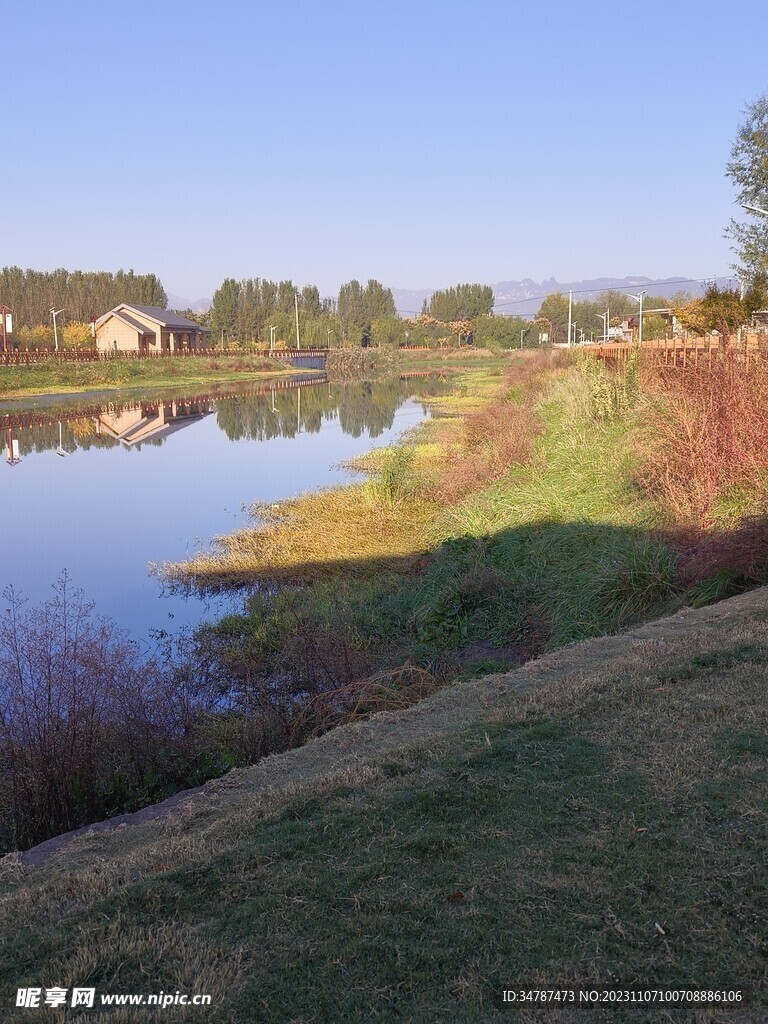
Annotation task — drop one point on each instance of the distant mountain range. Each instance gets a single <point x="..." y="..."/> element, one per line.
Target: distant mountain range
<point x="197" y="306"/>
<point x="522" y="298"/>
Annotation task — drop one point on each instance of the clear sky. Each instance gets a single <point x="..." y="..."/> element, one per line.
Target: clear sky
<point x="421" y="143"/>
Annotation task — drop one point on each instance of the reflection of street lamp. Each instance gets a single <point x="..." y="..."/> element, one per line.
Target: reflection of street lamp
<point x="54" y="313"/>
<point x="12" y="451"/>
<point x="60" y="450"/>
<point x="639" y="298"/>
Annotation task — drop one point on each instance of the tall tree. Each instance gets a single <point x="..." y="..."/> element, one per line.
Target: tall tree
<point x="309" y="300"/>
<point x="352" y="311"/>
<point x="379" y="301"/>
<point x="553" y="312"/>
<point x="748" y="170"/>
<point x="464" y="302"/>
<point x="224" y="305"/>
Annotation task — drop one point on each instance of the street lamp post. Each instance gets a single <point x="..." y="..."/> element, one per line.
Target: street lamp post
<point x="272" y="338"/>
<point x="54" y="313"/>
<point x="640" y="329"/>
<point x="5" y="324"/>
<point x="604" y="318"/>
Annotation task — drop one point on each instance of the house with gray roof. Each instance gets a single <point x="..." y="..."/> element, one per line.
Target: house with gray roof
<point x="147" y="330"/>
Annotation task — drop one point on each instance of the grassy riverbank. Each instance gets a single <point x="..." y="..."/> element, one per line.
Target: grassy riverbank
<point x="68" y="378"/>
<point x="592" y="820"/>
<point x="507" y="524"/>
<point x="528" y="513"/>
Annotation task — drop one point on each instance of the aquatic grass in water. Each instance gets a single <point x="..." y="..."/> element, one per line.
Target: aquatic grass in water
<point x="357" y="531"/>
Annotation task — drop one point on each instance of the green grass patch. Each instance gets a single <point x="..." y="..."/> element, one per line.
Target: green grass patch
<point x="714" y="661"/>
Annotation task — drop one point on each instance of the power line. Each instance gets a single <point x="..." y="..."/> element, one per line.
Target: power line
<point x="618" y="288"/>
<point x="595" y="291"/>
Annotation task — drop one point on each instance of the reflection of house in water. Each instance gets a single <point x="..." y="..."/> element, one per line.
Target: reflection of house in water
<point x="150" y="421"/>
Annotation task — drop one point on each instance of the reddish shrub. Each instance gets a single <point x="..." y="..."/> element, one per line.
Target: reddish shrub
<point x="502" y="434"/>
<point x="709" y="445"/>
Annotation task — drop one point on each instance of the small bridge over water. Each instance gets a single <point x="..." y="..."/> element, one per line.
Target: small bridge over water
<point x="306" y="358"/>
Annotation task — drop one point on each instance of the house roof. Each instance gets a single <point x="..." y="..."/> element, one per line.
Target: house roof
<point x="163" y="317"/>
<point x="124" y="318"/>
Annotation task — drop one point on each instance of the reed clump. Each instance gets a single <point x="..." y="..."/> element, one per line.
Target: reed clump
<point x="351" y="363"/>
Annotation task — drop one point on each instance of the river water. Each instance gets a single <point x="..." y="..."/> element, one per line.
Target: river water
<point x="99" y="486"/>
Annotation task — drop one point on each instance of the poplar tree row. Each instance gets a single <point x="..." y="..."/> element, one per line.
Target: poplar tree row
<point x="245" y="311"/>
<point x="31" y="294"/>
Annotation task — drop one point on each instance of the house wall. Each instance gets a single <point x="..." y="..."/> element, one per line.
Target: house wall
<point x="113" y="330"/>
<point x="183" y="337"/>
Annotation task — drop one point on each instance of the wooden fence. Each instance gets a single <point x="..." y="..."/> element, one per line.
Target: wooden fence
<point x="30" y="356"/>
<point x="687" y="352"/>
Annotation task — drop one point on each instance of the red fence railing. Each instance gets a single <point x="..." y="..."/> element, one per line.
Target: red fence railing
<point x="29" y="356"/>
<point x="688" y="351"/>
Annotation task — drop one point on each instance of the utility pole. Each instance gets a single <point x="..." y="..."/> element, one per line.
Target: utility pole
<point x="570" y="315"/>
<point x="296" y="303"/>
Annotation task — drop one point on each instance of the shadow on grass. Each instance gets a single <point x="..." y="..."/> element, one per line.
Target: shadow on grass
<point x="565" y="580"/>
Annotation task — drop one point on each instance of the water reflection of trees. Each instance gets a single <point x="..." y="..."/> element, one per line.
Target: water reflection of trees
<point x="358" y="407"/>
<point x="76" y="435"/>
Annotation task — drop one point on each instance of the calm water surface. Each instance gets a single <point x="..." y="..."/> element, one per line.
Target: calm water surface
<point x="105" y="485"/>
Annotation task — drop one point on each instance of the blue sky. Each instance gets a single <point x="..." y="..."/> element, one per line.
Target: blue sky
<point x="420" y="143"/>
